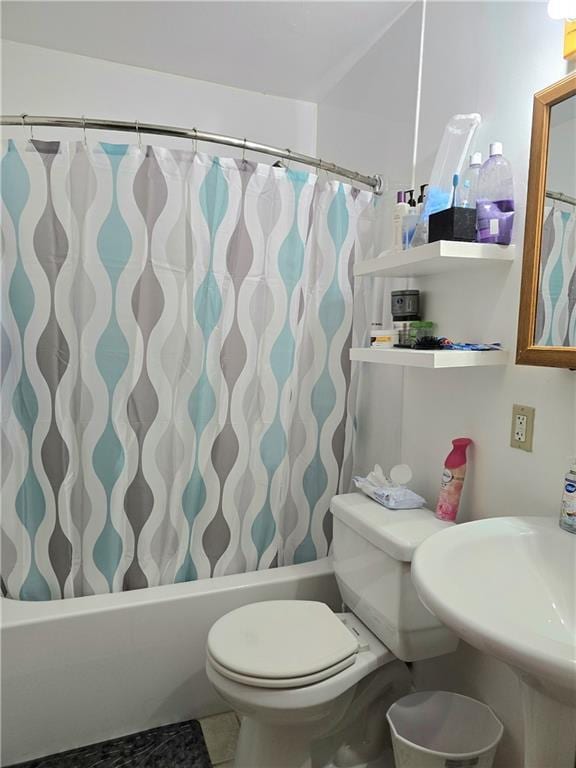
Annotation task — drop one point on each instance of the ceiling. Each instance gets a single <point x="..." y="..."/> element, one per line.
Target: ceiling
<point x="294" y="49"/>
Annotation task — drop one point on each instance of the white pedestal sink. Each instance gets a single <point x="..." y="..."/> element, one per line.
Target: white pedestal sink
<point x="508" y="587"/>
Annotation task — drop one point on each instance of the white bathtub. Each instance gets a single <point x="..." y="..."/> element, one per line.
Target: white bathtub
<point x="87" y="669"/>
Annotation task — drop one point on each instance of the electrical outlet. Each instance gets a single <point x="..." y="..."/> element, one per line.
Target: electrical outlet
<point x="522" y="432"/>
<point x="520" y="428"/>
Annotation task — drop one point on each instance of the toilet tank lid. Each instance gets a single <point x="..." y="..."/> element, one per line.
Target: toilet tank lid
<point x="395" y="531"/>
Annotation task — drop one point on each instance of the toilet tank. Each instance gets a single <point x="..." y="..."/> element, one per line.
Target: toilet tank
<point x="372" y="551"/>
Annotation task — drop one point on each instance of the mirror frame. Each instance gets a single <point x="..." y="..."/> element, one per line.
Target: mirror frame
<point x="527" y="353"/>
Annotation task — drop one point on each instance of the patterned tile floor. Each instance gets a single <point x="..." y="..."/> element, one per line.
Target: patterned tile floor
<point x="221" y="736"/>
<point x="180" y="745"/>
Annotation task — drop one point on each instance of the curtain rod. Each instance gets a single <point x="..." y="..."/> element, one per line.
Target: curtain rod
<point x="186" y="133"/>
<point x="561" y="197"/>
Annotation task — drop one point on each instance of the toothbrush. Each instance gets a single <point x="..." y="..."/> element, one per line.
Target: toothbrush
<point x="455" y="180"/>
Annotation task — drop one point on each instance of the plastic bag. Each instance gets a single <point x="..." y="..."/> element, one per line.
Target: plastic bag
<point x="383" y="490"/>
<point x="450" y="158"/>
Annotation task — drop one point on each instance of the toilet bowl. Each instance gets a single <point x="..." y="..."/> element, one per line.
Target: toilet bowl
<point x="312" y="686"/>
<point x="282" y="721"/>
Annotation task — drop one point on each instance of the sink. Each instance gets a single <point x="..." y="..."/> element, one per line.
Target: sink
<point x="507" y="586"/>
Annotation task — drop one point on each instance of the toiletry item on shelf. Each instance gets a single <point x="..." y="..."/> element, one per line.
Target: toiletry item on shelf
<point x="420" y="329"/>
<point x="453" y="223"/>
<point x="409" y="220"/>
<point x="428" y="342"/>
<point x="390" y="491"/>
<point x="495" y="202"/>
<point x="468" y="189"/>
<point x="402" y="328"/>
<point x="409" y="223"/>
<point x="412" y="333"/>
<point x="421" y="198"/>
<point x="386" y="339"/>
<point x="457" y="224"/>
<point x="568" y="505"/>
<point x="453" y="149"/>
<point x="455" y="181"/>
<point x="400" y="210"/>
<point x="405" y="305"/>
<point x="375" y="330"/>
<point x="405" y="309"/>
<point x="469" y="346"/>
<point x="452" y="480"/>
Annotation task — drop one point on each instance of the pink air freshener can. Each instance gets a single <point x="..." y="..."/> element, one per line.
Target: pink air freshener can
<point x="452" y="480"/>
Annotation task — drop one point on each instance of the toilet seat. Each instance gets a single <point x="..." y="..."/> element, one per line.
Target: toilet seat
<point x="282" y="682"/>
<point x="281" y="644"/>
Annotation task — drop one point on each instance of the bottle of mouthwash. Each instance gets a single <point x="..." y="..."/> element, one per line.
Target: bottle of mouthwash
<point x="495" y="201"/>
<point x="568" y="505"/>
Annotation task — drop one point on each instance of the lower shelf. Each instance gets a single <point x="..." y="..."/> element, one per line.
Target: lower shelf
<point x="428" y="358"/>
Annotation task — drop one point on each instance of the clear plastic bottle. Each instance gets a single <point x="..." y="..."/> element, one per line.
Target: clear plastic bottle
<point x="401" y="209"/>
<point x="467" y="192"/>
<point x="495" y="203"/>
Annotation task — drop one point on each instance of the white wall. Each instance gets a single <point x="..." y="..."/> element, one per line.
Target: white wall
<point x="47" y="82"/>
<point x="488" y="57"/>
<point x="523" y="56"/>
<point x="367" y="122"/>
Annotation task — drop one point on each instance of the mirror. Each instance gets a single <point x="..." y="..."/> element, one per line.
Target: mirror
<point x="547" y="320"/>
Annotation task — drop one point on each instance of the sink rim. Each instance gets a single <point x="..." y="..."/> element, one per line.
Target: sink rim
<point x="549" y="660"/>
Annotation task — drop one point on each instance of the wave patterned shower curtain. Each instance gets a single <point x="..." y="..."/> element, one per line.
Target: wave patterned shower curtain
<point x="556" y="311"/>
<point x="175" y="333"/>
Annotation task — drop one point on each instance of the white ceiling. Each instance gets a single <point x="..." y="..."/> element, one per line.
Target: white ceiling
<point x="294" y="49"/>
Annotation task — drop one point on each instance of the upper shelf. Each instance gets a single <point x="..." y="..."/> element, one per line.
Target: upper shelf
<point x="435" y="258"/>
<point x="429" y="358"/>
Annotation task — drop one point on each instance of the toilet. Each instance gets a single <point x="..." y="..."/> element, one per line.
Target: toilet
<point x="312" y="686"/>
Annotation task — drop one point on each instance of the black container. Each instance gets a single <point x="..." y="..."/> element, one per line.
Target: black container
<point x="405" y="305"/>
<point x="453" y="224"/>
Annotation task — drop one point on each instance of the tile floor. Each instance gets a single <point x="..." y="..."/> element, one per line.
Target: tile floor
<point x="221" y="735"/>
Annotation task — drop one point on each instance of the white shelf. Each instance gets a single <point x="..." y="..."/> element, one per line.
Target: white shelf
<point x="433" y="358"/>
<point x="434" y="259"/>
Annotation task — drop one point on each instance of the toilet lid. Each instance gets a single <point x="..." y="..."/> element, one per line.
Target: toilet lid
<point x="281" y="639"/>
<point x="283" y="682"/>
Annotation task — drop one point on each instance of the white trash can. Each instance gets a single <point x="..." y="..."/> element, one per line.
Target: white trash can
<point x="437" y="729"/>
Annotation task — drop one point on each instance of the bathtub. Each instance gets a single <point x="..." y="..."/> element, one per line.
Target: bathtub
<point x="83" y="670"/>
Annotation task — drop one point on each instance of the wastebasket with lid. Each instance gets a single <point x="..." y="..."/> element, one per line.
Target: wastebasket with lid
<point x="437" y="729"/>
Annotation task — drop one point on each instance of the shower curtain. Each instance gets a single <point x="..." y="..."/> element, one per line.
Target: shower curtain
<point x="175" y="334"/>
<point x="556" y="311"/>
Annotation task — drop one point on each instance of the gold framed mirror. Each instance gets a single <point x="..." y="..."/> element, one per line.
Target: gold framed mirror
<point x="547" y="317"/>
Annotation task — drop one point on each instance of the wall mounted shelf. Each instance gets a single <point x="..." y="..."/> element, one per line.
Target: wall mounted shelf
<point x="434" y="259"/>
<point x="424" y="358"/>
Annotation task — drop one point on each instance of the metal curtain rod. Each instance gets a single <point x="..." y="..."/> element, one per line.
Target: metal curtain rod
<point x="186" y="133"/>
<point x="561" y="197"/>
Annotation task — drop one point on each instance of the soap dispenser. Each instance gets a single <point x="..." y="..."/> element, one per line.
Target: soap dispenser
<point x="421" y="198"/>
<point x="568" y="504"/>
<point x="409" y="220"/>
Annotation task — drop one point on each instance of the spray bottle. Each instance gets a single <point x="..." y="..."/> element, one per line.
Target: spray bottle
<point x="452" y="480"/>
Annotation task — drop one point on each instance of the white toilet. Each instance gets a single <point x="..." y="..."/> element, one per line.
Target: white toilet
<point x="312" y="686"/>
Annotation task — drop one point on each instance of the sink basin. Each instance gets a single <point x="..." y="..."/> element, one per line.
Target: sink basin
<point x="508" y="587"/>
